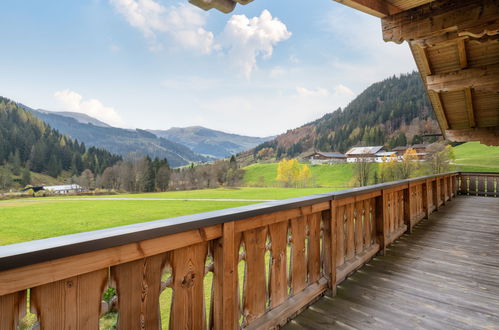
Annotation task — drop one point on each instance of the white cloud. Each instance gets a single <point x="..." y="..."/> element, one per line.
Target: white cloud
<point x="246" y="39"/>
<point x="343" y="90"/>
<point x="183" y="23"/>
<point x="305" y="92"/>
<point x="72" y="101"/>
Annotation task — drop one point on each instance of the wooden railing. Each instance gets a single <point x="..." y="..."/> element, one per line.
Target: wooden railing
<point x="265" y="262"/>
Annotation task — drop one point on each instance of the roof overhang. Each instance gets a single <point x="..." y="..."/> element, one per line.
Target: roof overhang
<point x="456" y="49"/>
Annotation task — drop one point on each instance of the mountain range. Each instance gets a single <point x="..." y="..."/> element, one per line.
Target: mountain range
<point x="209" y="142"/>
<point x="180" y="146"/>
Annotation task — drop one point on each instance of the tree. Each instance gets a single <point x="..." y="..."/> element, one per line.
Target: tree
<point x="440" y="157"/>
<point x="163" y="178"/>
<point x="25" y="177"/>
<point x="87" y="179"/>
<point x="305" y="176"/>
<point x="408" y="164"/>
<point x="288" y="171"/>
<point x="388" y="169"/>
<point x="362" y="170"/>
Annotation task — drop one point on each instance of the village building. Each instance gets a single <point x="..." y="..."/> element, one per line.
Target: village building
<point x="419" y="148"/>
<point x="320" y="157"/>
<point x="64" y="189"/>
<point x="356" y="154"/>
<point x="383" y="156"/>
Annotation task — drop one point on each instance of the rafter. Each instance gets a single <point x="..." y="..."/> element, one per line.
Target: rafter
<point x="436" y="101"/>
<point x="378" y="8"/>
<point x="469" y="107"/>
<point x="463" y="59"/>
<point x="473" y="18"/>
<point x="481" y="78"/>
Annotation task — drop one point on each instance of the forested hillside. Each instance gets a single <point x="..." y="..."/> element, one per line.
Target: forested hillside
<point x="26" y="142"/>
<point x="132" y="144"/>
<point x="393" y="112"/>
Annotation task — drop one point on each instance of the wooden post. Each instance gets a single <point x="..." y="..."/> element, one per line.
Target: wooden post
<point x="436" y="193"/>
<point x="380" y="218"/>
<point x="408" y="205"/>
<point x="230" y="289"/>
<point x="426" y="200"/>
<point x="334" y="248"/>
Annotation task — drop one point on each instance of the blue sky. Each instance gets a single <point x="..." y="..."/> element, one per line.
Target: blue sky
<point x="269" y="66"/>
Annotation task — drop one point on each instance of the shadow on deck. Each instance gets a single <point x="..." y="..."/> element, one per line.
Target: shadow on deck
<point x="444" y="275"/>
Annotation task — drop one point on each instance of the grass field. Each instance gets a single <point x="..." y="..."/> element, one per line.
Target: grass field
<point x="473" y="156"/>
<point x="29" y="220"/>
<point x="336" y="176"/>
<point x="224" y="193"/>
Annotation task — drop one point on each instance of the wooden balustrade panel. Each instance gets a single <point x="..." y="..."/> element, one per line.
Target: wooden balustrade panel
<point x="278" y="274"/>
<point x="138" y="286"/>
<point x="367" y="230"/>
<point x="491" y="192"/>
<point x="255" y="291"/>
<point x="298" y="255"/>
<point x="188" y="269"/>
<point x="473" y="185"/>
<point x="314" y="247"/>
<point x="463" y="188"/>
<point x="359" y="227"/>
<point x="400" y="209"/>
<point x="481" y="185"/>
<point x="12" y="309"/>
<point x="340" y="235"/>
<point x="216" y="306"/>
<point x="72" y="303"/>
<point x="327" y="242"/>
<point x="350" y="232"/>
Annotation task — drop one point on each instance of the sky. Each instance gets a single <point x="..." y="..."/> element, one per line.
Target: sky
<point x="267" y="67"/>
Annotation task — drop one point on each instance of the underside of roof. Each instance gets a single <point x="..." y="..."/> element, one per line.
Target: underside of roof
<point x="455" y="44"/>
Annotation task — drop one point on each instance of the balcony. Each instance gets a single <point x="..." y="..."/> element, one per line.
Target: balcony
<point x="420" y="252"/>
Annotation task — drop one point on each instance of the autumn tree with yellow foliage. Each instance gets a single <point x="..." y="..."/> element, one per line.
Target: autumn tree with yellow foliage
<point x="408" y="164"/>
<point x="292" y="174"/>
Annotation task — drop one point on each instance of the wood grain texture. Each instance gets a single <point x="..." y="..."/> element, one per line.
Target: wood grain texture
<point x="314" y="247"/>
<point x="188" y="307"/>
<point x="298" y="256"/>
<point x="350" y="237"/>
<point x="72" y="303"/>
<point x="278" y="272"/>
<point x="340" y="235"/>
<point x="231" y="243"/>
<point x="359" y="227"/>
<point x="12" y="309"/>
<point x="138" y="285"/>
<point x="423" y="281"/>
<point x="255" y="291"/>
<point x="46" y="272"/>
<point x="216" y="307"/>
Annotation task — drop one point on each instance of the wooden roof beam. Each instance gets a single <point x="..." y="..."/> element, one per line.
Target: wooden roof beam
<point x="480" y="78"/>
<point x="469" y="107"/>
<point x="473" y="18"/>
<point x="378" y="8"/>
<point x="486" y="135"/>
<point x="463" y="59"/>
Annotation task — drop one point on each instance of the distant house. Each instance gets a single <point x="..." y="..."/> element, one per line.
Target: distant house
<point x="320" y="157"/>
<point x="64" y="189"/>
<point x="420" y="150"/>
<point x="380" y="156"/>
<point x="363" y="153"/>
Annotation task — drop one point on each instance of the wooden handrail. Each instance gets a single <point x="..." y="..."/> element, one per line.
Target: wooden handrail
<point x="292" y="251"/>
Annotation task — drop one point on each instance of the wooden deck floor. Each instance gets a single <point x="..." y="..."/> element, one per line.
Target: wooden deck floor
<point x="445" y="275"/>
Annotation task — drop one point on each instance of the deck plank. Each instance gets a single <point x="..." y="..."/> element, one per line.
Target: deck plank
<point x="443" y="275"/>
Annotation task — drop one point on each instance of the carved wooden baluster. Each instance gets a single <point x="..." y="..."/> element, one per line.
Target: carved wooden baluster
<point x="490" y="186"/>
<point x="298" y="257"/>
<point x="328" y="264"/>
<point x="340" y="235"/>
<point x="350" y="251"/>
<point x="367" y="223"/>
<point x="359" y="233"/>
<point x="188" y="264"/>
<point x="314" y="247"/>
<point x="138" y="285"/>
<point x="255" y="293"/>
<point x="278" y="276"/>
<point x="12" y="309"/>
<point x="400" y="209"/>
<point x="72" y="303"/>
<point x="216" y="307"/>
